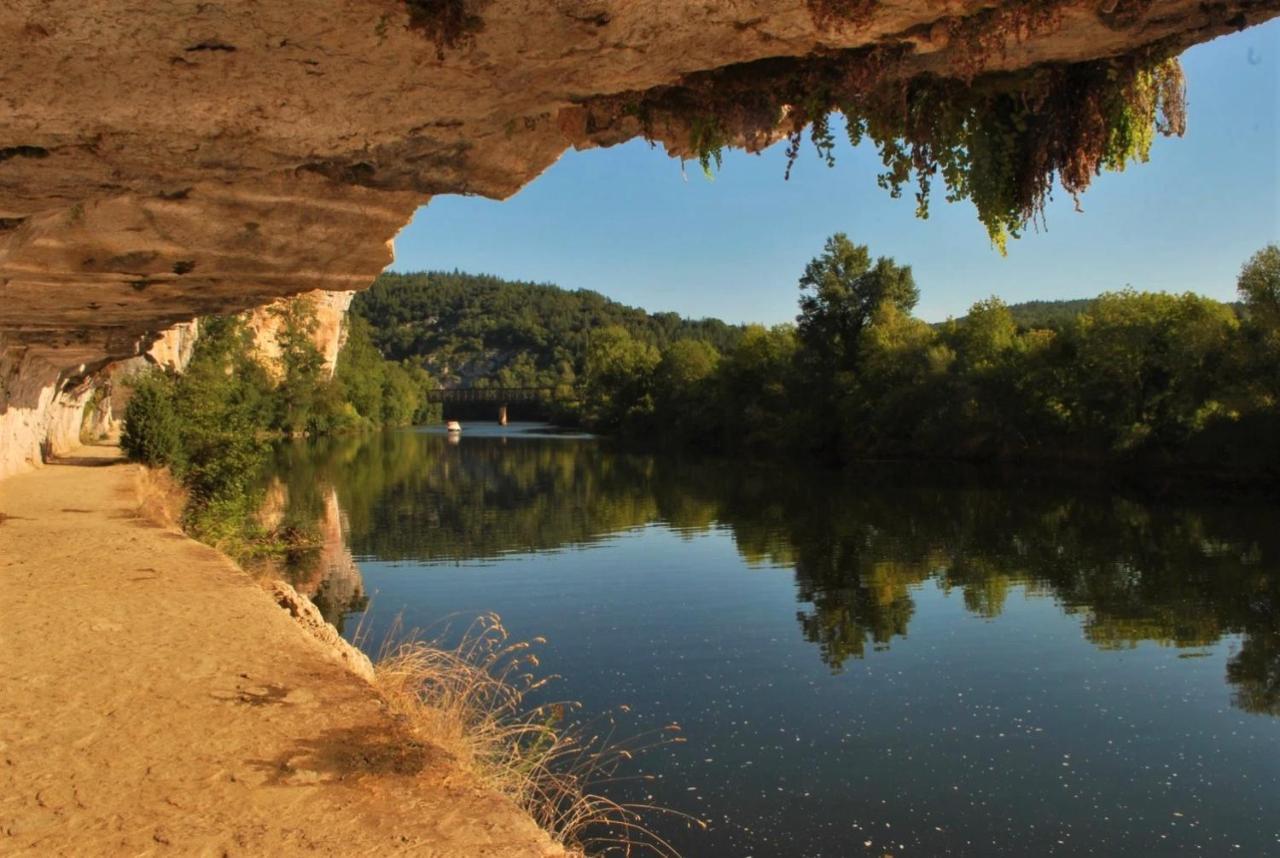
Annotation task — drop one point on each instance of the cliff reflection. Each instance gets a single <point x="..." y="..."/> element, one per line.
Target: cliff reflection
<point x="859" y="546"/>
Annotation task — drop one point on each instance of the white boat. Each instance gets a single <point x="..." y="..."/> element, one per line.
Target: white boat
<point x="453" y="426"/>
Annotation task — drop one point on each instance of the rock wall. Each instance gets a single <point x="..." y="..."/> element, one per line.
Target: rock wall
<point x="330" y="309"/>
<point x="173" y="348"/>
<point x="40" y="411"/>
<point x="158" y="163"/>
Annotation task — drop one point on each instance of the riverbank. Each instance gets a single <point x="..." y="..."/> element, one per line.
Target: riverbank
<point x="154" y="698"/>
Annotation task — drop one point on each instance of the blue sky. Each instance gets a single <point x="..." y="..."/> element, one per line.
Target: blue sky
<point x="628" y="223"/>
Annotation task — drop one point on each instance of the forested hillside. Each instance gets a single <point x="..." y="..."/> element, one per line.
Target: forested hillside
<point x="1144" y="378"/>
<point x="477" y="330"/>
<point x="1048" y="314"/>
<point x="1058" y="315"/>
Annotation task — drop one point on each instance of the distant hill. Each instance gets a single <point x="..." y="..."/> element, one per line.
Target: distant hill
<point x="465" y="328"/>
<point x="1057" y="314"/>
<point x="1048" y="314"/>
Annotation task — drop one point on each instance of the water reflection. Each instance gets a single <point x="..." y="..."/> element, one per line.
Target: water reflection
<point x="861" y="547"/>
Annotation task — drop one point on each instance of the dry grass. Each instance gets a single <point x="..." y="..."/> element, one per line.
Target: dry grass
<point x="476" y="701"/>
<point x="161" y="498"/>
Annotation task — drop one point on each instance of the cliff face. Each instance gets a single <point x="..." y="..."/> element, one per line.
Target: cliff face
<point x="39" y="416"/>
<point x="330" y="311"/>
<point x="166" y="161"/>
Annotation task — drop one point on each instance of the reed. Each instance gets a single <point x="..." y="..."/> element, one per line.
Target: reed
<point x="478" y="700"/>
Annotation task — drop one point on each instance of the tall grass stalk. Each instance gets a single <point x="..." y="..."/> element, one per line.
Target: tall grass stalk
<point x="476" y="700"/>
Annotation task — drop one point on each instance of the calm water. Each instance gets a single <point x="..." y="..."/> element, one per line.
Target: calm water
<point x="861" y="665"/>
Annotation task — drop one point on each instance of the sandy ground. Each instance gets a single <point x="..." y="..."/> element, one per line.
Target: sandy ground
<point x="153" y="700"/>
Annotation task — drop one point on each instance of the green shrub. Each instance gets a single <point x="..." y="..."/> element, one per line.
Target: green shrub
<point x="152" y="430"/>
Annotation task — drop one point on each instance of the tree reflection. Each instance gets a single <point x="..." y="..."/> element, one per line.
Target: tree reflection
<point x="859" y="544"/>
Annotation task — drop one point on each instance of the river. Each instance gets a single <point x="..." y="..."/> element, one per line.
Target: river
<point x="861" y="663"/>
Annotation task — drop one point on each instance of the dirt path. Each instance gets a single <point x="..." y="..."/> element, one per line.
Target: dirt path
<point x="153" y="700"/>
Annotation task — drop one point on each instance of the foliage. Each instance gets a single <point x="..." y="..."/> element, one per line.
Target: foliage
<point x="299" y="395"/>
<point x="841" y="290"/>
<point x="1139" y="378"/>
<point x="210" y="423"/>
<point x="151" y="429"/>
<point x="999" y="140"/>
<point x="381" y="392"/>
<point x="1052" y="315"/>
<point x="619" y="376"/>
<point x="755" y="388"/>
<point x="472" y="330"/>
<point x="1145" y="379"/>
<point x="1259" y="289"/>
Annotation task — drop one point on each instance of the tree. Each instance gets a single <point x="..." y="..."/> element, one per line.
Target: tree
<point x="301" y="362"/>
<point x="685" y="364"/>
<point x="984" y="337"/>
<point x="756" y="388"/>
<point x="1259" y="288"/>
<point x="224" y="403"/>
<point x="1150" y="365"/>
<point x="684" y="391"/>
<point x="619" y="376"/>
<point x="885" y="402"/>
<point x="152" y="434"/>
<point x="840" y="290"/>
<point x="361" y="370"/>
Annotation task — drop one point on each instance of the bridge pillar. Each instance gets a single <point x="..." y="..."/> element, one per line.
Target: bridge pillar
<point x="502" y="415"/>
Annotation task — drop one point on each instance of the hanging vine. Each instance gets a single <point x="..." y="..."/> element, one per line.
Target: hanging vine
<point x="1000" y="140"/>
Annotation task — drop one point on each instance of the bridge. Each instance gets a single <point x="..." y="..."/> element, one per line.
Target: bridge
<point x="502" y="396"/>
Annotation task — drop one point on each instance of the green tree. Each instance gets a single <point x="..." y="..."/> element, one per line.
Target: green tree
<point x="361" y="371"/>
<point x="619" y="380"/>
<point x="756" y="388"/>
<point x="840" y="290"/>
<point x="684" y="391"/>
<point x="984" y="338"/>
<point x="1259" y="289"/>
<point x="152" y="432"/>
<point x="886" y="404"/>
<point x="224" y="404"/>
<point x="302" y="366"/>
<point x="1150" y="366"/>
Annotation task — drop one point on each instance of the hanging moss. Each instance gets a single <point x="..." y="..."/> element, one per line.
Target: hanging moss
<point x="999" y="140"/>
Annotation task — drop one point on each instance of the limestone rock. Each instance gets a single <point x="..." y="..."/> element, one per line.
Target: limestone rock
<point x="308" y="616"/>
<point x="165" y="162"/>
<point x="330" y="309"/>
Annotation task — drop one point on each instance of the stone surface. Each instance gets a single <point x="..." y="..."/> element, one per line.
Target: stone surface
<point x="308" y="616"/>
<point x="330" y="310"/>
<point x="40" y="417"/>
<point x="161" y="163"/>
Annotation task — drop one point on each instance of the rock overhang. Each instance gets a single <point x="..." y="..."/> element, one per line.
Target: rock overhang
<point x="200" y="158"/>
